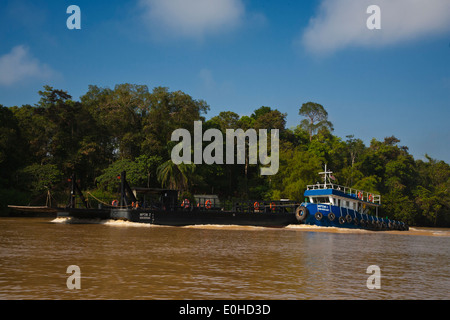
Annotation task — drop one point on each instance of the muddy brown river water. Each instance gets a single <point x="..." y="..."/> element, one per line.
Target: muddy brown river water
<point x="120" y="260"/>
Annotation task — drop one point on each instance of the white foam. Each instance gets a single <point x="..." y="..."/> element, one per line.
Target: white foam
<point x="73" y="220"/>
<point x="109" y="222"/>
<point x="124" y="223"/>
<point x="411" y="232"/>
<point x="224" y="226"/>
<point x="430" y="232"/>
<point x="60" y="220"/>
<point x="307" y="227"/>
<point x="299" y="227"/>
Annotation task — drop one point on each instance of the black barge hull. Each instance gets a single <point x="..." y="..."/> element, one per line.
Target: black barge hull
<point x="185" y="218"/>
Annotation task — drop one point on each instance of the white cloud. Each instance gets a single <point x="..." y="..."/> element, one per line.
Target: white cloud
<point x="342" y="23"/>
<point x="19" y="65"/>
<point x="193" y="18"/>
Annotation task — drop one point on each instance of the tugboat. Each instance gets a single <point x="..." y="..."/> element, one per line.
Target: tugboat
<point x="331" y="205"/>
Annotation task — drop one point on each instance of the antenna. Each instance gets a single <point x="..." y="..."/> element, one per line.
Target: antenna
<point x="325" y="176"/>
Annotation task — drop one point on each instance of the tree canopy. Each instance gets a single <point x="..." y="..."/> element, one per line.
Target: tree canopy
<point x="129" y="128"/>
<point x="317" y="118"/>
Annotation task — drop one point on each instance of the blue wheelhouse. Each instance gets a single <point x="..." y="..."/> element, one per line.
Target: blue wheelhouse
<point x="331" y="205"/>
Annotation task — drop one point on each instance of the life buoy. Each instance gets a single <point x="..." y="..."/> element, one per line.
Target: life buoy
<point x="256" y="205"/>
<point x="272" y="206"/>
<point x="301" y="213"/>
<point x="318" y="215"/>
<point x="370" y="198"/>
<point x="331" y="216"/>
<point x="185" y="203"/>
<point x="115" y="203"/>
<point x="208" y="204"/>
<point x="135" y="205"/>
<point x="360" y="195"/>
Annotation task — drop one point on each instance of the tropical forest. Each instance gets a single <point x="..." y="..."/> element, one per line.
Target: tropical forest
<point x="128" y="128"/>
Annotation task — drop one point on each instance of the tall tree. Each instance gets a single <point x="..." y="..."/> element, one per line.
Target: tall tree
<point x="71" y="140"/>
<point x="317" y="118"/>
<point x="355" y="148"/>
<point x="169" y="111"/>
<point x="120" y="114"/>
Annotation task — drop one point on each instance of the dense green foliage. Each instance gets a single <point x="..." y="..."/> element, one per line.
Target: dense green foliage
<point x="129" y="128"/>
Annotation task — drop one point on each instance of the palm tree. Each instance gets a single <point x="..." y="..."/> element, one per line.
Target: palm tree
<point x="175" y="176"/>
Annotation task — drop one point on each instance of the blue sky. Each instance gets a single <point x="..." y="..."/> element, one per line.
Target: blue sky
<point x="239" y="55"/>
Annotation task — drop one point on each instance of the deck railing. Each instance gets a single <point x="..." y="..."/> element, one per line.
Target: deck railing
<point x="356" y="193"/>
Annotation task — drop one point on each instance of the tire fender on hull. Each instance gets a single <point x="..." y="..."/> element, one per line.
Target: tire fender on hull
<point x="318" y="215"/>
<point x="301" y="213"/>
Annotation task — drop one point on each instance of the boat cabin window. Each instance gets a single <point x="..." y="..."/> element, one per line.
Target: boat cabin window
<point x="349" y="204"/>
<point x="321" y="200"/>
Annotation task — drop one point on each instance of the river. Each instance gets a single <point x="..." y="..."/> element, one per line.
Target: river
<point x="122" y="260"/>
